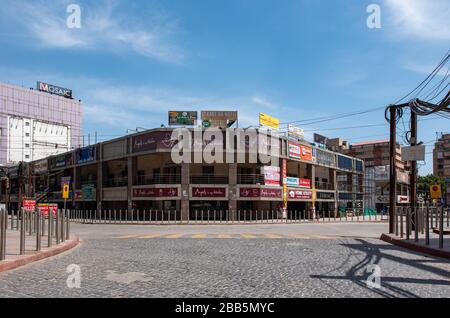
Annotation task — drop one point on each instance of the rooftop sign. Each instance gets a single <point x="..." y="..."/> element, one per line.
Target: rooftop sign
<point x="55" y="90"/>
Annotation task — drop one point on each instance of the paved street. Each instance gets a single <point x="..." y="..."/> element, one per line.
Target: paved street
<point x="306" y="260"/>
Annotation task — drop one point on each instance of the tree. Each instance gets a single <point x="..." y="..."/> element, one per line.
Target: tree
<point x="424" y="183"/>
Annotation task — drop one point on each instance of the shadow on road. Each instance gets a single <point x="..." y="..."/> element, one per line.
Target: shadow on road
<point x="372" y="255"/>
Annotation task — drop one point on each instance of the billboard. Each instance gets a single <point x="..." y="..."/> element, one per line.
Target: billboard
<point x="157" y="140"/>
<point x="295" y="132"/>
<point x="301" y="152"/>
<point x="183" y="118"/>
<point x="86" y="154"/>
<point x="298" y="182"/>
<point x="55" y="90"/>
<point x="320" y="139"/>
<point x="269" y="121"/>
<point x="218" y="118"/>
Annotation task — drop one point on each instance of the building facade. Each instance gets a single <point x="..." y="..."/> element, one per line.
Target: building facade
<point x="376" y="157"/>
<point x="137" y="172"/>
<point x="37" y="123"/>
<point x="441" y="162"/>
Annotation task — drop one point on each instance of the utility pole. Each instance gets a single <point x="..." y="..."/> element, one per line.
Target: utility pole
<point x="392" y="168"/>
<point x="413" y="179"/>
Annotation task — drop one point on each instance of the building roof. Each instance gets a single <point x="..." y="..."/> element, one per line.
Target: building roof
<point x="370" y="143"/>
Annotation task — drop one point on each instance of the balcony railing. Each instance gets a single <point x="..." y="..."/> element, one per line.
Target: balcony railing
<point x="116" y="182"/>
<point x="250" y="179"/>
<point x="159" y="179"/>
<point x="324" y="186"/>
<point x="208" y="179"/>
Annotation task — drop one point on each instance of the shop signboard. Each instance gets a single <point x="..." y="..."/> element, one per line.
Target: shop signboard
<point x="88" y="191"/>
<point x="325" y="195"/>
<point x="345" y="163"/>
<point x="298" y="182"/>
<point x="40" y="166"/>
<point x="157" y="140"/>
<point x="61" y="161"/>
<point x="325" y="158"/>
<point x="155" y="192"/>
<point x="209" y="192"/>
<point x="266" y="193"/>
<point x="403" y="199"/>
<point x="300" y="194"/>
<point x="299" y="151"/>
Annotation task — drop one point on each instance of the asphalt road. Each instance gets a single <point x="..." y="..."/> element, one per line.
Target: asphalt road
<point x="289" y="260"/>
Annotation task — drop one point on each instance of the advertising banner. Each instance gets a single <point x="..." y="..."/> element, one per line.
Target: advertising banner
<point x="182" y="118"/>
<point x="218" y="118"/>
<point x="271" y="175"/>
<point x="285" y="188"/>
<point x="300" y="152"/>
<point x="269" y="121"/>
<point x="295" y="132"/>
<point x="320" y="139"/>
<point x="298" y="183"/>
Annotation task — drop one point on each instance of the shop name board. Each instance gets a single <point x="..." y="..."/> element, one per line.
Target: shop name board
<point x="40" y="166"/>
<point x="203" y="192"/>
<point x="61" y="161"/>
<point x="260" y="193"/>
<point x="86" y="154"/>
<point x="325" y="195"/>
<point x="183" y="118"/>
<point x="402" y="199"/>
<point x="56" y="90"/>
<point x="159" y="140"/>
<point x="300" y="194"/>
<point x="301" y="152"/>
<point x="155" y="192"/>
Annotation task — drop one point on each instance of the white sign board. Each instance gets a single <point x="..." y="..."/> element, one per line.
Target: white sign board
<point x="413" y="153"/>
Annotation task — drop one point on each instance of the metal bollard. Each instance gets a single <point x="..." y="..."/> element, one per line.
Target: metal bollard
<point x="38" y="230"/>
<point x="63" y="225"/>
<point x="57" y="234"/>
<point x="68" y="227"/>
<point x="416" y="224"/>
<point x="22" y="232"/>
<point x="2" y="235"/>
<point x="441" y="228"/>
<point x="50" y="228"/>
<point x="427" y="226"/>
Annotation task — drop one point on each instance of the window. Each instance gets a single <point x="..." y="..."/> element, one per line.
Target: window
<point x="208" y="170"/>
<point x="27" y="123"/>
<point x="27" y="134"/>
<point x="27" y="156"/>
<point x="27" y="145"/>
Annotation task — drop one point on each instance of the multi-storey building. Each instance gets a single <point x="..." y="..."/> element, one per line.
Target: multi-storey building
<point x="441" y="162"/>
<point x="376" y="157"/>
<point x="37" y="123"/>
<point x="137" y="172"/>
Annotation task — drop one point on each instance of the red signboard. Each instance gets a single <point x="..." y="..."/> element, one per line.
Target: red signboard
<point x="155" y="193"/>
<point x="300" y="194"/>
<point x="153" y="141"/>
<point x="201" y="192"/>
<point x="29" y="205"/>
<point x="260" y="193"/>
<point x="305" y="183"/>
<point x="271" y="175"/>
<point x="45" y="208"/>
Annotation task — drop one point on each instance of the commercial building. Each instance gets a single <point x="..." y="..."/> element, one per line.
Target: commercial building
<point x="441" y="162"/>
<point x="37" y="123"/>
<point x="376" y="157"/>
<point x="138" y="172"/>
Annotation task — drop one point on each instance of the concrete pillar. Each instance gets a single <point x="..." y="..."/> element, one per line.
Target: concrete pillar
<point x="185" y="180"/>
<point x="232" y="186"/>
<point x="99" y="188"/>
<point x="74" y="185"/>
<point x="130" y="169"/>
<point x="312" y="173"/>
<point x="335" y="191"/>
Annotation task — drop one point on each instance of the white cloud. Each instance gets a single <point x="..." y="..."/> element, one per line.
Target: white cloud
<point x="422" y="19"/>
<point x="103" y="28"/>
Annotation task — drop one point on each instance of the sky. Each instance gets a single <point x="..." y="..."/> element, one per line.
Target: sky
<point x="132" y="61"/>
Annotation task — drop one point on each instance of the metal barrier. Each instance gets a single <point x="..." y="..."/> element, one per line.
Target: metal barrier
<point x="157" y="217"/>
<point x="33" y="224"/>
<point x="419" y="221"/>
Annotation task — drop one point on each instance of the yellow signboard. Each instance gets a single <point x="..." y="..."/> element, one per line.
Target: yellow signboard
<point x="436" y="192"/>
<point x="65" y="192"/>
<point x="269" y="121"/>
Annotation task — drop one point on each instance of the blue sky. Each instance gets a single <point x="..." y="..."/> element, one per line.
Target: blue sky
<point x="132" y="61"/>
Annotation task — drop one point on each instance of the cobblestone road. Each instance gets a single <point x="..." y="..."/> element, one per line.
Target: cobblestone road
<point x="232" y="261"/>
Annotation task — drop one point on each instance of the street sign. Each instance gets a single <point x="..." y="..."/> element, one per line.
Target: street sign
<point x="29" y="205"/>
<point x="413" y="153"/>
<point x="65" y="192"/>
<point x="436" y="192"/>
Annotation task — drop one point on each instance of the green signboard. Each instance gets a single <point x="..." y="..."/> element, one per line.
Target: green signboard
<point x="183" y="118"/>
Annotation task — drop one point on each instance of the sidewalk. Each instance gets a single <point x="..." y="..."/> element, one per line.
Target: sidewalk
<point x="420" y="246"/>
<point x="14" y="259"/>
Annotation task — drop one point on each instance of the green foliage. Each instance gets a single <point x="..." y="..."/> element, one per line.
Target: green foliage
<point x="424" y="182"/>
